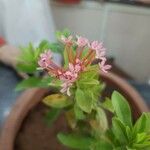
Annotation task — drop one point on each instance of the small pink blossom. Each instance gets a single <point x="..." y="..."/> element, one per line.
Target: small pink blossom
<point x="104" y="67"/>
<point x="45" y="59"/>
<point x="95" y="45"/>
<point x="66" y="40"/>
<point x="100" y="50"/>
<point x="79" y="65"/>
<point x="68" y="79"/>
<point x="70" y="76"/>
<point x="81" y="41"/>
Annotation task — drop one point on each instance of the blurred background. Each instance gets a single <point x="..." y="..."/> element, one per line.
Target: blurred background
<point x="123" y="26"/>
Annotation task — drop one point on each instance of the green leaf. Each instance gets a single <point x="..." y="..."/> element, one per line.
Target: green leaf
<point x="102" y="119"/>
<point x="128" y="148"/>
<point x="66" y="32"/>
<point x="70" y="116"/>
<point x="57" y="101"/>
<point x="87" y="82"/>
<point x="142" y="146"/>
<point x="122" y="108"/>
<point x="142" y="124"/>
<point x="107" y="104"/>
<point x="43" y="45"/>
<point x="91" y="73"/>
<point x="79" y="114"/>
<point x="84" y="101"/>
<point x="75" y="141"/>
<point x="32" y="82"/>
<point x="119" y="131"/>
<point x="102" y="145"/>
<point x="27" y="53"/>
<point x="27" y="83"/>
<point x="26" y="61"/>
<point x="45" y="82"/>
<point x="55" y="47"/>
<point x="51" y="116"/>
<point x="129" y="133"/>
<point x="26" y="67"/>
<point x="141" y="137"/>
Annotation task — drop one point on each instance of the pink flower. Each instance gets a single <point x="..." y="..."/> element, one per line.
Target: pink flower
<point x="103" y="66"/>
<point x="70" y="76"/>
<point x="81" y="41"/>
<point x="66" y="40"/>
<point x="95" y="45"/>
<point x="100" y="50"/>
<point x="45" y="59"/>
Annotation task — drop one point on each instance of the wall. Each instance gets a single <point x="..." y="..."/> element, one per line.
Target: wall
<point x="124" y="30"/>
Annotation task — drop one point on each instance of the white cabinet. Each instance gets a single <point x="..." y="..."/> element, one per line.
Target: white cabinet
<point x="127" y="36"/>
<point x="80" y="19"/>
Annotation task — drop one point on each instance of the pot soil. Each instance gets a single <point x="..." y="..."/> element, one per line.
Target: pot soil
<point x="25" y="128"/>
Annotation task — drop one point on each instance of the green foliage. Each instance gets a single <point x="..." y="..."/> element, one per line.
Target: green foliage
<point x="122" y="134"/>
<point x="71" y="119"/>
<point x="85" y="96"/>
<point x="90" y="73"/>
<point x="75" y="141"/>
<point x="54" y="47"/>
<point x="32" y="82"/>
<point x="84" y="101"/>
<point x="57" y="101"/>
<point x="28" y="59"/>
<point x="52" y="115"/>
<point x="101" y="145"/>
<point x="65" y="33"/>
<point x="79" y="114"/>
<point x="107" y="104"/>
<point x="122" y="108"/>
<point x="90" y="84"/>
<point x="142" y="124"/>
<point x="102" y="119"/>
<point x="119" y="131"/>
<point x="141" y="132"/>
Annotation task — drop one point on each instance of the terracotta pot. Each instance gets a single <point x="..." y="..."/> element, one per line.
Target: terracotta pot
<point x="31" y="98"/>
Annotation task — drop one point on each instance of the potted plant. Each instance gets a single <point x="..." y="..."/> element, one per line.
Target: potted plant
<point x="79" y="112"/>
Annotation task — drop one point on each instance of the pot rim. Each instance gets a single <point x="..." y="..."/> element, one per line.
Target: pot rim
<point x="24" y="104"/>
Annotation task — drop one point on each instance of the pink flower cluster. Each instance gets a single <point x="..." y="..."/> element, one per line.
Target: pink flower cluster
<point x="101" y="55"/>
<point x="81" y="41"/>
<point x="45" y="59"/>
<point x="95" y="45"/>
<point x="76" y="62"/>
<point x="68" y="77"/>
